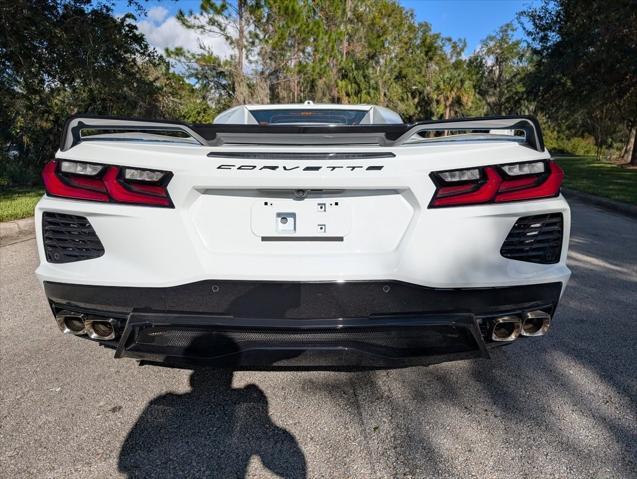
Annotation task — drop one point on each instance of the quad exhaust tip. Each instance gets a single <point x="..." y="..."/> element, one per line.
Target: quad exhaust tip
<point x="530" y="323"/>
<point x="71" y="323"/>
<point x="101" y="329"/>
<point x="78" y="324"/>
<point x="506" y="328"/>
<point x="535" y="323"/>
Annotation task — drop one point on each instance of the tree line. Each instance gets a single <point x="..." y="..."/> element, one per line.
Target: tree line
<point x="577" y="71"/>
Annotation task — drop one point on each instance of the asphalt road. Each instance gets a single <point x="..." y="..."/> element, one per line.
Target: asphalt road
<point x="561" y="406"/>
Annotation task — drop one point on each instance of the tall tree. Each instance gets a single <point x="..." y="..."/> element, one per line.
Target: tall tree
<point x="285" y="31"/>
<point x="453" y="88"/>
<point x="499" y="68"/>
<point x="211" y="76"/>
<point x="60" y="57"/>
<point x="586" y="71"/>
<point x="234" y="21"/>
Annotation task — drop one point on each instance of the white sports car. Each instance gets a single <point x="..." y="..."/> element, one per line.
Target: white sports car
<point x="303" y="235"/>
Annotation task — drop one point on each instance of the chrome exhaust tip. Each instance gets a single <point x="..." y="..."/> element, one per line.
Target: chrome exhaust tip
<point x="506" y="328"/>
<point x="101" y="329"/>
<point x="535" y="323"/>
<point x="71" y="323"/>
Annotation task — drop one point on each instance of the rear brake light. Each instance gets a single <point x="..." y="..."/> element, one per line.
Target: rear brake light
<point x="67" y="188"/>
<point x="94" y="182"/>
<point x="546" y="185"/>
<point x="501" y="183"/>
<point x="121" y="192"/>
<point x="483" y="190"/>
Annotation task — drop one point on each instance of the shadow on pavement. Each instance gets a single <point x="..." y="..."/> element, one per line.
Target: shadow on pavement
<point x="559" y="406"/>
<point x="212" y="431"/>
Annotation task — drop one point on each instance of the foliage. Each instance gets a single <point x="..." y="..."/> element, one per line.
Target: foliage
<point x="180" y="99"/>
<point x="60" y="57"/>
<point x="585" y="74"/>
<point x="235" y="23"/>
<point x="499" y="68"/>
<point x="559" y="143"/>
<point x="600" y="178"/>
<point x="209" y="76"/>
<point x="452" y="87"/>
<point x="365" y="51"/>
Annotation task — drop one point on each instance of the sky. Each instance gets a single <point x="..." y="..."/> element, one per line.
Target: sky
<point x="472" y="20"/>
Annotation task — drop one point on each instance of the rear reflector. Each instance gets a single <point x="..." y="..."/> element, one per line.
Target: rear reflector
<point x="501" y="183"/>
<point x="94" y="182"/>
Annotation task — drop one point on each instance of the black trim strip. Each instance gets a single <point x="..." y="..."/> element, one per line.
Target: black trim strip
<point x="302" y="238"/>
<point x="281" y="155"/>
<point x="302" y="300"/>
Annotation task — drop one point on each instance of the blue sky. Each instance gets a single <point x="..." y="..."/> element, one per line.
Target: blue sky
<point x="469" y="19"/>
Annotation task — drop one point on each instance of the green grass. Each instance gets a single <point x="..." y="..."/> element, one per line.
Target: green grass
<point x="585" y="173"/>
<point x="18" y="203"/>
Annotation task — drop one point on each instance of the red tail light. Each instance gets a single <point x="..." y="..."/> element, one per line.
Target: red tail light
<point x="499" y="184"/>
<point x="546" y="185"/>
<point x="93" y="182"/>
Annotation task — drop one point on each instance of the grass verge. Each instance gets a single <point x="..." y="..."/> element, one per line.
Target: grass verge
<point x="585" y="173"/>
<point x="18" y="203"/>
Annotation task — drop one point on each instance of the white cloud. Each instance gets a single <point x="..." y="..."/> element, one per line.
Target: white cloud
<point x="158" y="13"/>
<point x="166" y="32"/>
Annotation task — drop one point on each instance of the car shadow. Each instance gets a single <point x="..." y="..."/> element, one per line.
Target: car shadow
<point x="212" y="431"/>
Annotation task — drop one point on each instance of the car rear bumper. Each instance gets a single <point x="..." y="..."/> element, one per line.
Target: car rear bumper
<point x="282" y="324"/>
<point x="212" y="238"/>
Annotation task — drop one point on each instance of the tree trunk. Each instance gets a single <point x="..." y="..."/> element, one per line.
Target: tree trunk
<point x="631" y="150"/>
<point x="447" y="115"/>
<point x="239" y="81"/>
<point x="345" y="45"/>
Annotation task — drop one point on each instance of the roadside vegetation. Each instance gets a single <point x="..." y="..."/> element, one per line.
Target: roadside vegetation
<point x="18" y="203"/>
<point x="601" y="178"/>
<point x="576" y="70"/>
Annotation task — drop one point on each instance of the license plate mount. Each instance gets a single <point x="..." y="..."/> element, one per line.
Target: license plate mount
<point x="307" y="218"/>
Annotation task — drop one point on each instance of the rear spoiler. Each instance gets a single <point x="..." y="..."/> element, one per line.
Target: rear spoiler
<point x="388" y="135"/>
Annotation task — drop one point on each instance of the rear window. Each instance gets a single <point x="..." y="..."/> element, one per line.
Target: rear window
<point x="324" y="116"/>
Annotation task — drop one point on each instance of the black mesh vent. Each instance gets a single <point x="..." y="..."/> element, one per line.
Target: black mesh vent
<point x="536" y="239"/>
<point x="69" y="238"/>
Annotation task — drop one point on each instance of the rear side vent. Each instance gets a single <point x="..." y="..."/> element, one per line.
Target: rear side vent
<point x="536" y="239"/>
<point x="69" y="238"/>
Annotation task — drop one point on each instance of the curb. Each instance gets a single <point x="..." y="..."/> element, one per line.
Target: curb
<point x="610" y="205"/>
<point x="18" y="230"/>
